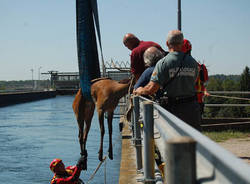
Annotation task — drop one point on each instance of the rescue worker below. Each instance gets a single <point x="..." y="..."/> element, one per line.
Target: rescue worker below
<point x="68" y="175"/>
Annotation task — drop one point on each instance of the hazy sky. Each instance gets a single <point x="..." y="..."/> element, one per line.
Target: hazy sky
<point x="42" y="33"/>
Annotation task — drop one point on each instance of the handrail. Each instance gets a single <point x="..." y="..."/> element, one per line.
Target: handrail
<point x="214" y="164"/>
<point x="230" y="92"/>
<point x="227" y="105"/>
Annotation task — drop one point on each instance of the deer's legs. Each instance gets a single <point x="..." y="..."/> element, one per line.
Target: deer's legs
<point x="88" y="115"/>
<point x="82" y="142"/>
<point x="80" y="134"/>
<point x="78" y="108"/>
<point x="81" y="137"/>
<point x="110" y="118"/>
<point x="102" y="130"/>
<point x="84" y="111"/>
<point x="89" y="108"/>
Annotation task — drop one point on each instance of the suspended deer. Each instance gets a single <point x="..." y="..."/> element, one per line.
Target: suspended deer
<point x="106" y="94"/>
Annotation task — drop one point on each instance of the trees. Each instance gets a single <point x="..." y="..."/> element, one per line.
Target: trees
<point x="2" y="85"/>
<point x="228" y="83"/>
<point x="245" y="86"/>
<point x="245" y="80"/>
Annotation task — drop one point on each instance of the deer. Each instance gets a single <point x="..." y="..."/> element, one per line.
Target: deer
<point x="105" y="94"/>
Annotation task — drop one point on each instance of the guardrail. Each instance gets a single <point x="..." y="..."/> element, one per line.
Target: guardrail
<point x="215" y="94"/>
<point x="190" y="156"/>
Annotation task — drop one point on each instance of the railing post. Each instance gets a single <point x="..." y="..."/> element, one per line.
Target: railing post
<point x="180" y="164"/>
<point x="132" y="125"/>
<point x="137" y="132"/>
<point x="148" y="142"/>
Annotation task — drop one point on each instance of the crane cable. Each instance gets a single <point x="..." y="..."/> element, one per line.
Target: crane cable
<point x="97" y="168"/>
<point x="105" y="165"/>
<point x="236" y="98"/>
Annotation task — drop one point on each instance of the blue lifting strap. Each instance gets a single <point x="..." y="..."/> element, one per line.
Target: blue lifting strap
<point x="95" y="11"/>
<point x="86" y="44"/>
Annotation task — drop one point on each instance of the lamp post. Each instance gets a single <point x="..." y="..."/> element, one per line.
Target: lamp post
<point x="38" y="81"/>
<point x="32" y="71"/>
<point x="39" y="72"/>
<point x="179" y="15"/>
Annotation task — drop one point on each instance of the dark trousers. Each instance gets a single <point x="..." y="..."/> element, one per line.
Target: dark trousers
<point x="189" y="112"/>
<point x="202" y="105"/>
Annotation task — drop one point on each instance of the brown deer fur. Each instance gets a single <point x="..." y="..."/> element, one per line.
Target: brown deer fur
<point x="106" y="94"/>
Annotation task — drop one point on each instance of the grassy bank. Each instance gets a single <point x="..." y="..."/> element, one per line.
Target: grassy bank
<point x="220" y="136"/>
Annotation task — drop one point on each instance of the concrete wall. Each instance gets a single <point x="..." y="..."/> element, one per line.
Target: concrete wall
<point x="66" y="91"/>
<point x="7" y="99"/>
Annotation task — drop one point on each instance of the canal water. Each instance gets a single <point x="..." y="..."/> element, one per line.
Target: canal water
<point x="33" y="134"/>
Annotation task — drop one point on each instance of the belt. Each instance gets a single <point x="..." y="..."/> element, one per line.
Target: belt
<point x="178" y="100"/>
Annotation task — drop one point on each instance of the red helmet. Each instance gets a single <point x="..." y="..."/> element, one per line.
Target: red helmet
<point x="54" y="163"/>
<point x="186" y="46"/>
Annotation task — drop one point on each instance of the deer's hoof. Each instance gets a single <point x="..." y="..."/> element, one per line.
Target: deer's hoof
<point x="100" y="155"/>
<point x="100" y="158"/>
<point x="84" y="153"/>
<point x="111" y="155"/>
<point x="84" y="166"/>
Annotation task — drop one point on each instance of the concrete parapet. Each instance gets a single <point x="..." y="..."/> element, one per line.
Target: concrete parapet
<point x="7" y="99"/>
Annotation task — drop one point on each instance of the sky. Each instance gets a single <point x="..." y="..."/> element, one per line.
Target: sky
<point x="40" y="35"/>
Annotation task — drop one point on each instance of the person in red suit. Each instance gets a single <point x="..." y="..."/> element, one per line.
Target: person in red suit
<point x="202" y="77"/>
<point x="68" y="175"/>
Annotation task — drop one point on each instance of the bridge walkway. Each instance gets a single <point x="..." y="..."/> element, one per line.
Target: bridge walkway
<point x="128" y="172"/>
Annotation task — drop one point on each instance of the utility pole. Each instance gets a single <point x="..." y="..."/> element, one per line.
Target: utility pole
<point x="39" y="72"/>
<point x="38" y="82"/>
<point x="179" y="15"/>
<point x="32" y="71"/>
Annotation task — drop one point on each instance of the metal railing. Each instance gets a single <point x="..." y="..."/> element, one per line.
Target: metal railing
<point x="190" y="156"/>
<point x="218" y="94"/>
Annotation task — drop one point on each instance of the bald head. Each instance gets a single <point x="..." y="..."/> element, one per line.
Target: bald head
<point x="175" y="40"/>
<point x="130" y="41"/>
<point x="152" y="55"/>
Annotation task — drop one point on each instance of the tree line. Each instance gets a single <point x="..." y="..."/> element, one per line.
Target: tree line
<point x="228" y="83"/>
<point x="215" y="83"/>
